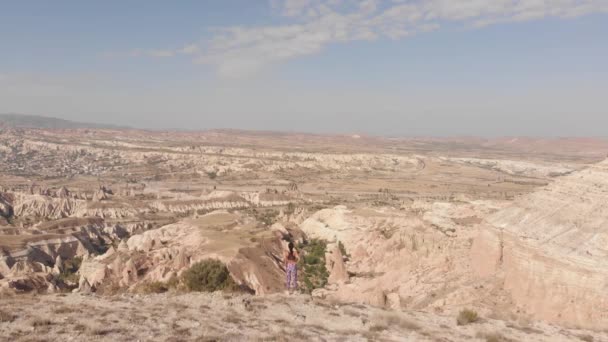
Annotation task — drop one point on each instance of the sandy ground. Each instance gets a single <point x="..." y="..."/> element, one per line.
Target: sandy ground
<point x="225" y="317"/>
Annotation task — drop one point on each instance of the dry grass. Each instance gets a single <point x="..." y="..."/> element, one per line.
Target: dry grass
<point x="233" y="319"/>
<point x="41" y="322"/>
<point x="65" y="310"/>
<point x="80" y="327"/>
<point x="102" y="331"/>
<point x="6" y="317"/>
<point x="352" y="312"/>
<point x="586" y="338"/>
<point x="526" y="329"/>
<point x="492" y="337"/>
<point x="390" y="319"/>
<point x="378" y="327"/>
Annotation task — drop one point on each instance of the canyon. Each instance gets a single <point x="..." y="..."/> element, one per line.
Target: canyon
<point x="413" y="232"/>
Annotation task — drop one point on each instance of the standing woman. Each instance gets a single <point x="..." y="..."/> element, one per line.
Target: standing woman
<point x="291" y="259"/>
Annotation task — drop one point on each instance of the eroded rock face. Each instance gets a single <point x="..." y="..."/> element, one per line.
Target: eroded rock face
<point x="550" y="248"/>
<point x="158" y="255"/>
<point x="335" y="265"/>
<point x="41" y="259"/>
<point x="414" y="258"/>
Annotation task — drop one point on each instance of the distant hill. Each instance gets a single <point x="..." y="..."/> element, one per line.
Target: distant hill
<point x="35" y="121"/>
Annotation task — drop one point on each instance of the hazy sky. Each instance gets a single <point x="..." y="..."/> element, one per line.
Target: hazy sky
<point x="387" y="67"/>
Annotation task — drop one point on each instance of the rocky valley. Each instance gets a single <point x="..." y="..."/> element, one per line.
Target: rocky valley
<point x="401" y="239"/>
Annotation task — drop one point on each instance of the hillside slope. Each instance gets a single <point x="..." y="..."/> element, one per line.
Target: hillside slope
<point x="44" y="122"/>
<point x="550" y="249"/>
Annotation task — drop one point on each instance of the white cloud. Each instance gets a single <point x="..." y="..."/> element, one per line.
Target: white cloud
<point x="236" y="51"/>
<point x="161" y="53"/>
<point x="190" y="49"/>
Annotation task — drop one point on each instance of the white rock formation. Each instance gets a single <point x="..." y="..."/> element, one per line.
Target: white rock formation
<point x="550" y="249"/>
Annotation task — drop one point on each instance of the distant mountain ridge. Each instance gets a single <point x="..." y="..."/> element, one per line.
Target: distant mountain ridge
<point x="45" y="122"/>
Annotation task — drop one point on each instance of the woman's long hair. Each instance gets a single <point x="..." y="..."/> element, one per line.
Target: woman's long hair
<point x="290" y="248"/>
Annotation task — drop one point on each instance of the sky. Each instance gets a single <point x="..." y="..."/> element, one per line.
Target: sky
<point x="380" y="67"/>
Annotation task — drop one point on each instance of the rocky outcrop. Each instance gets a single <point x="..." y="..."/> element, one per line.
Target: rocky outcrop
<point x="517" y="167"/>
<point x="163" y="253"/>
<point x="549" y="249"/>
<point x="335" y="265"/>
<point x="398" y="258"/>
<point x="45" y="206"/>
<point x="44" y="258"/>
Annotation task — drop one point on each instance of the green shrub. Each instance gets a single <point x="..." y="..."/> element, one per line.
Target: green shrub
<point x="467" y="316"/>
<point x="208" y="276"/>
<point x="70" y="270"/>
<point x="267" y="217"/>
<point x="343" y="250"/>
<point x="311" y="267"/>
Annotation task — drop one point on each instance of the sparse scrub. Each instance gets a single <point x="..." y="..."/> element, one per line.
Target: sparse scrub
<point x="378" y="327"/>
<point x="343" y="250"/>
<point x="104" y="331"/>
<point x="6" y="317"/>
<point x="80" y="327"/>
<point x="493" y="337"/>
<point x="70" y="270"/>
<point x="526" y="329"/>
<point x="160" y="287"/>
<point x="352" y="312"/>
<point x="395" y="320"/>
<point x="291" y="208"/>
<point x="154" y="287"/>
<point x="586" y="338"/>
<point x="467" y="316"/>
<point x="312" y="268"/>
<point x="64" y="310"/>
<point x="267" y="217"/>
<point x="208" y="276"/>
<point x="41" y="322"/>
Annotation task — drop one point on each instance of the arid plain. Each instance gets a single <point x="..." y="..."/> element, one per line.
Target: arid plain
<point x="402" y="239"/>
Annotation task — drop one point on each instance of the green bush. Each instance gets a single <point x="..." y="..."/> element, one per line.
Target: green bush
<point x="343" y="250"/>
<point x="70" y="270"/>
<point x="467" y="316"/>
<point x="208" y="276"/>
<point x="311" y="267"/>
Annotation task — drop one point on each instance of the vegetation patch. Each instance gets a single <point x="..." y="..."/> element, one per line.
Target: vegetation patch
<point x="208" y="276"/>
<point x="6" y="317"/>
<point x="467" y="316"/>
<point x="41" y="322"/>
<point x="154" y="287"/>
<point x="311" y="267"/>
<point x="586" y="338"/>
<point x="267" y="217"/>
<point x="69" y="274"/>
<point x="290" y="209"/>
<point x="493" y="337"/>
<point x="343" y="250"/>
